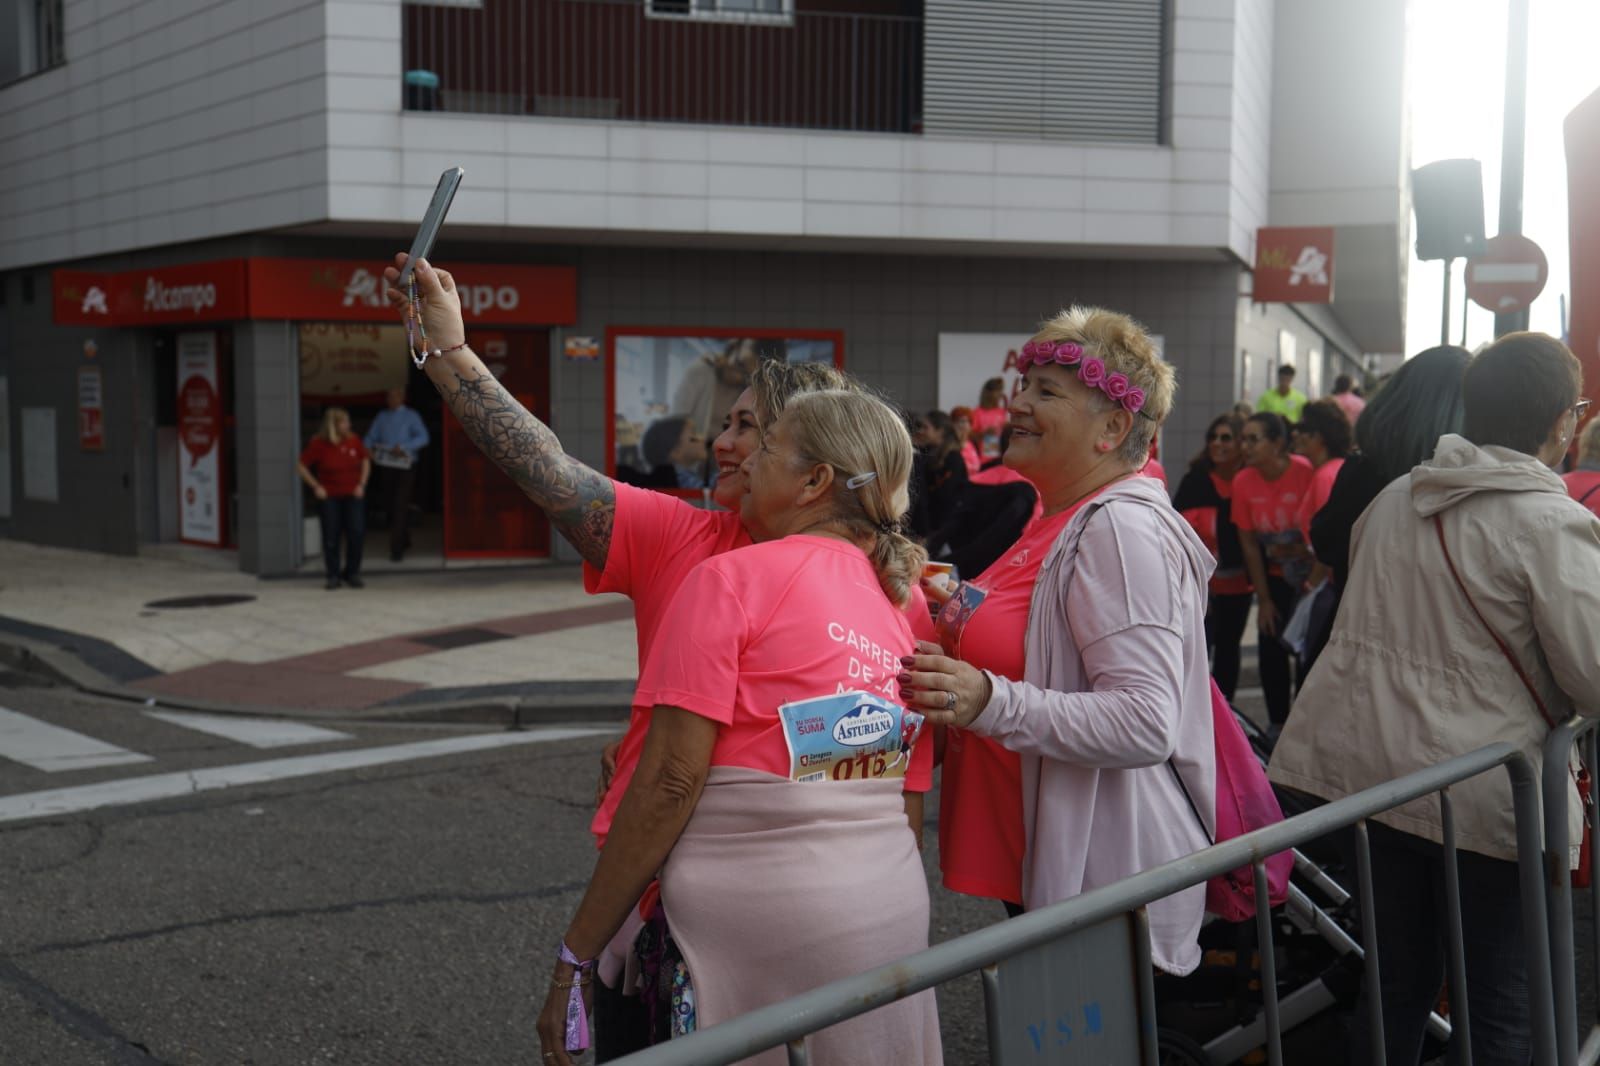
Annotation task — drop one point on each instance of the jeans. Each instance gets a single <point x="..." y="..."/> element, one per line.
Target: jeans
<point x="1413" y="952"/>
<point x="1279" y="668"/>
<point x="1226" y="617"/>
<point x="344" y="518"/>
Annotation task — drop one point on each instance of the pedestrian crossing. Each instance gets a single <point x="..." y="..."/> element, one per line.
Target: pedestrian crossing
<point x="54" y="749"/>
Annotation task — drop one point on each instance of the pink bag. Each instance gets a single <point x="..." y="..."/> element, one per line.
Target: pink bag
<point x="1245" y="802"/>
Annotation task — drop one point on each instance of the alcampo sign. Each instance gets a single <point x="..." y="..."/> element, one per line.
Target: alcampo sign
<point x="492" y="294"/>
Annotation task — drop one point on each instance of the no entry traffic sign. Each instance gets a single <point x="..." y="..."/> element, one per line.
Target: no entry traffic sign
<point x="1509" y="275"/>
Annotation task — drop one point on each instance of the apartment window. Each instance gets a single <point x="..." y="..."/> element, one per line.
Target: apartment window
<point x="30" y="38"/>
<point x="769" y="11"/>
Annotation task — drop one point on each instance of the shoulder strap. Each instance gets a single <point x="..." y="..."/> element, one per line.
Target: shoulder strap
<point x="1592" y="490"/>
<point x="1522" y="675"/>
<point x="1173" y="766"/>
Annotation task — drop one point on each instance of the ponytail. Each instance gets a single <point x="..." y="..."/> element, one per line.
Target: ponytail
<point x="866" y="442"/>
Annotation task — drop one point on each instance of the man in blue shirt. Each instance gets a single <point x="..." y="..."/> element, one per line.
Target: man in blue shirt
<point x="395" y="438"/>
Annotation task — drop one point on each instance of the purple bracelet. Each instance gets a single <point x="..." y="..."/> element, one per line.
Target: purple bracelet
<point x="577" y="1017"/>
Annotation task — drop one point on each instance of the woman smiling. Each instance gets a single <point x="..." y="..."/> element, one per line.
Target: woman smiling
<point x="1082" y="651"/>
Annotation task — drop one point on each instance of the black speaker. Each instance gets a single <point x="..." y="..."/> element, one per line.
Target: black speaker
<point x="1448" y="199"/>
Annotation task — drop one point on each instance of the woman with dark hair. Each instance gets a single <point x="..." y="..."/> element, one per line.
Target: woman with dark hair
<point x="1464" y="624"/>
<point x="989" y="419"/>
<point x="1205" y="499"/>
<point x="1266" y="512"/>
<point x="1419" y="404"/>
<point x="1323" y="437"/>
<point x="943" y="471"/>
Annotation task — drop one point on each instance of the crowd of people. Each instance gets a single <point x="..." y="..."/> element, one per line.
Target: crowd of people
<point x="804" y="664"/>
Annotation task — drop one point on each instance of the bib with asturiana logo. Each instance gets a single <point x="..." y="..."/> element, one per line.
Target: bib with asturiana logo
<point x="850" y="736"/>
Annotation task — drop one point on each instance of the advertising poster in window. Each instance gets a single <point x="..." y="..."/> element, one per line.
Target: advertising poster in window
<point x="672" y="389"/>
<point x="199" y="441"/>
<point x="349" y="362"/>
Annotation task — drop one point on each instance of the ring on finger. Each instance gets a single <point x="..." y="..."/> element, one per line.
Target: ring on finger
<point x="949" y="701"/>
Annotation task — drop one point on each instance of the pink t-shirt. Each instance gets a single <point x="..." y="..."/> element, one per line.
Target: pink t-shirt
<point x="987" y="422"/>
<point x="1267" y="507"/>
<point x="1351" y="404"/>
<point x="1584" y="486"/>
<point x="656" y="540"/>
<point x="970" y="456"/>
<point x="776" y="623"/>
<point x="981" y="837"/>
<point x="1322" y="479"/>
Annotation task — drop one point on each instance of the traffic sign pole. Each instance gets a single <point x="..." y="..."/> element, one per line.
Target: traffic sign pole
<point x="1511" y="147"/>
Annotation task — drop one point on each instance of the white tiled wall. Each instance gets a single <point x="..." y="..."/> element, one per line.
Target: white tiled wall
<point x="171" y="120"/>
<point x="180" y="119"/>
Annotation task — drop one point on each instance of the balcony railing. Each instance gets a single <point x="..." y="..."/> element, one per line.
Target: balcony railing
<point x="609" y="59"/>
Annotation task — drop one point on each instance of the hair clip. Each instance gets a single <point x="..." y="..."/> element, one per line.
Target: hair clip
<point x="861" y="479"/>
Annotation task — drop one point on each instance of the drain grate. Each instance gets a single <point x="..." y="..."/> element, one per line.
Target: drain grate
<point x="464" y="637"/>
<point x="178" y="602"/>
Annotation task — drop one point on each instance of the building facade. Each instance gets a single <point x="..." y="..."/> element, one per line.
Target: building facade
<point x="202" y="194"/>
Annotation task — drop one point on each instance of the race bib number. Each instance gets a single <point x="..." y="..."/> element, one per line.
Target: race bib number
<point x="955" y="614"/>
<point x="852" y="736"/>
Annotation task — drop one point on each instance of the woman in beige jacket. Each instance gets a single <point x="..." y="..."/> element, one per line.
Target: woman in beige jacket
<point x="1411" y="677"/>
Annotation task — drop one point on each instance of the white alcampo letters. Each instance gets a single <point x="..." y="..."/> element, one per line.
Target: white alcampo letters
<point x="196" y="298"/>
<point x="476" y="299"/>
<point x="95" y="300"/>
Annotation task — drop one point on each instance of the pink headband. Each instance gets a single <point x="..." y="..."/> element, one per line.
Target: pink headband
<point x="1091" y="371"/>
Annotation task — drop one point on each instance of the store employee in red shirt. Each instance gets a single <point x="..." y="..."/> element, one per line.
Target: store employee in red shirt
<point x="335" y="466"/>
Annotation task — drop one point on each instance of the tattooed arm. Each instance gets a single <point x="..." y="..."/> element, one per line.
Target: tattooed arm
<point x="580" y="502"/>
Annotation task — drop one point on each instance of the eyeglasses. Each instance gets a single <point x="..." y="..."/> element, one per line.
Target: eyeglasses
<point x="1225" y="438"/>
<point x="1580" y="409"/>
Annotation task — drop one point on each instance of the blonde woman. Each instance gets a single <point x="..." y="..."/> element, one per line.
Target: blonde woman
<point x="1076" y="668"/>
<point x="335" y="467"/>
<point x="765" y="652"/>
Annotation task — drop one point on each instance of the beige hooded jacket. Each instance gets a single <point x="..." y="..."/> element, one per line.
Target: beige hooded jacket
<point x="1410" y="677"/>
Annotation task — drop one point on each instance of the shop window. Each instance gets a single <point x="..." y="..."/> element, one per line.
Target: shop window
<point x="673" y="387"/>
<point x="766" y="11"/>
<point x="31" y="38"/>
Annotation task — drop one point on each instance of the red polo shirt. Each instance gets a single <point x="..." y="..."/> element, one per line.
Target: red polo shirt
<point x="336" y="466"/>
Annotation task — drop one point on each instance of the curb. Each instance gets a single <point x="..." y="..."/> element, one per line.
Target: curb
<point x="535" y="704"/>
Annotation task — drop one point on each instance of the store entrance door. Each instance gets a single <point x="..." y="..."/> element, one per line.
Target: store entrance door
<point x="486" y="515"/>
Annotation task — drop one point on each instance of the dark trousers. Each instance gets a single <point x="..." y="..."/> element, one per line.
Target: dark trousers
<point x="1279" y="668"/>
<point x="394" y="492"/>
<point x="1226" y="617"/>
<point x="1413" y="952"/>
<point x="344" y="520"/>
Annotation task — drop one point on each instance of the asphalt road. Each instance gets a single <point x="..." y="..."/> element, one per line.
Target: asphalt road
<point x="401" y="913"/>
<point x="393" y="913"/>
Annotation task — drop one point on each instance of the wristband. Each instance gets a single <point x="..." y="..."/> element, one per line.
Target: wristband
<point x="577" y="1017"/>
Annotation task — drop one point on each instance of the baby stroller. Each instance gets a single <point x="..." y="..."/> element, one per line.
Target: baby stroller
<point x="1214" y="1016"/>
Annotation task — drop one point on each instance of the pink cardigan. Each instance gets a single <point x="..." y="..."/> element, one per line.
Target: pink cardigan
<point x="1116" y="682"/>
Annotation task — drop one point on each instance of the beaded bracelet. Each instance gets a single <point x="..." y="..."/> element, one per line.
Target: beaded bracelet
<point x="416" y="331"/>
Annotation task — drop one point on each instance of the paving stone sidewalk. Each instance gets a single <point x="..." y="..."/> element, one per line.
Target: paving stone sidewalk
<point x="445" y="643"/>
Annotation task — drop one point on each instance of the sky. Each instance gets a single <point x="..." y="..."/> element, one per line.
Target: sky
<point x="1456" y="78"/>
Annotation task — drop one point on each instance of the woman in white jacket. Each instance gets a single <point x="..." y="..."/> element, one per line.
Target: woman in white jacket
<point x="1083" y="648"/>
<point x="1412" y="676"/>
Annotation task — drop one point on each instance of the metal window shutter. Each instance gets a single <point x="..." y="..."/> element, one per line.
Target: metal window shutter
<point x="1061" y="70"/>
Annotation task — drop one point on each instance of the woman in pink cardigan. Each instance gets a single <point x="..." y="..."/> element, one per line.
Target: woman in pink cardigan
<point x="1083" y="649"/>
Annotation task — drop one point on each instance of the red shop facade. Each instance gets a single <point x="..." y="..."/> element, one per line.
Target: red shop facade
<point x="342" y="345"/>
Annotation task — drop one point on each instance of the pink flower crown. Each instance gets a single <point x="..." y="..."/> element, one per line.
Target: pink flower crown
<point x="1091" y="371"/>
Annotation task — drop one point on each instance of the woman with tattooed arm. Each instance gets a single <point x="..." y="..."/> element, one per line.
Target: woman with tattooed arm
<point x="640" y="543"/>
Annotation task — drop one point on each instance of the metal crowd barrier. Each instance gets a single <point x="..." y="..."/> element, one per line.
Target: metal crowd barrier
<point x="1073" y="982"/>
<point x="1557" y="842"/>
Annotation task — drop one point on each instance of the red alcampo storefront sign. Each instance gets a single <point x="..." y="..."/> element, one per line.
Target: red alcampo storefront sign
<point x="302" y="290"/>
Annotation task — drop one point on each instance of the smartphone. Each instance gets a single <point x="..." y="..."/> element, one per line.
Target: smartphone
<point x="449" y="181"/>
